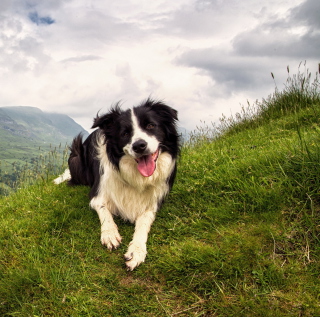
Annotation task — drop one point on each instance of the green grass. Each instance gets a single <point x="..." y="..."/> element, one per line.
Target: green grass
<point x="238" y="236"/>
<point x="18" y="172"/>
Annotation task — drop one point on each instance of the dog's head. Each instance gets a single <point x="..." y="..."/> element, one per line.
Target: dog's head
<point x="143" y="133"/>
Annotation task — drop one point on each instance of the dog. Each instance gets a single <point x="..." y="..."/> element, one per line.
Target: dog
<point x="130" y="164"/>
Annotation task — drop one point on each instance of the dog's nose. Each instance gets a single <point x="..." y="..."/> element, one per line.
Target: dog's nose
<point x="139" y="146"/>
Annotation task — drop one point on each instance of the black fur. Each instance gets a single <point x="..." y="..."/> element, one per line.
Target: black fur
<point x="116" y="126"/>
<point x="165" y="119"/>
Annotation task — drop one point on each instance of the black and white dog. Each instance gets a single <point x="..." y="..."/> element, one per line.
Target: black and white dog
<point x="130" y="164"/>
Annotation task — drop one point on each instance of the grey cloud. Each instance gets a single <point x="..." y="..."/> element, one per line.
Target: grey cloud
<point x="4" y="5"/>
<point x="308" y="13"/>
<point x="230" y="73"/>
<point x="277" y="42"/>
<point x="19" y="50"/>
<point x="274" y="43"/>
<point x="202" y="19"/>
<point x="24" y="7"/>
<point x="43" y="5"/>
<point x="88" y="30"/>
<point x="281" y="37"/>
<point x="80" y="25"/>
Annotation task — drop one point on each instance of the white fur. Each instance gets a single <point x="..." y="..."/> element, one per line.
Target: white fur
<point x="63" y="177"/>
<point x="128" y="194"/>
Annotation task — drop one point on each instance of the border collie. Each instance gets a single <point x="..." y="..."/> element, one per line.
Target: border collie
<point x="130" y="164"/>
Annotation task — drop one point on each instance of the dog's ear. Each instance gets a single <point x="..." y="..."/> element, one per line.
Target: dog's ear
<point x="105" y="121"/>
<point x="170" y="111"/>
<point x="162" y="109"/>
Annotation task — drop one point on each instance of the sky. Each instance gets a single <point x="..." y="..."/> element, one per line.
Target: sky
<point x="204" y="58"/>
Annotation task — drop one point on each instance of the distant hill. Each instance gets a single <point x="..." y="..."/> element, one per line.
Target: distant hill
<point x="27" y="132"/>
<point x="34" y="124"/>
<point x="184" y="134"/>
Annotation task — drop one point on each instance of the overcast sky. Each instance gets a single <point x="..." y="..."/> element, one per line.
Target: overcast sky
<point x="202" y="57"/>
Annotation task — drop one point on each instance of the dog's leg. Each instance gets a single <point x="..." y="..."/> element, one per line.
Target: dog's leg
<point x="110" y="236"/>
<point x="63" y="177"/>
<point x="137" y="250"/>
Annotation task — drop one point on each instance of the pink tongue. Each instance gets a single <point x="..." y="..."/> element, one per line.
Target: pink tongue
<point x="146" y="165"/>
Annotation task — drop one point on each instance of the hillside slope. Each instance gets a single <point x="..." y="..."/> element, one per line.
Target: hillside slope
<point x="238" y="236"/>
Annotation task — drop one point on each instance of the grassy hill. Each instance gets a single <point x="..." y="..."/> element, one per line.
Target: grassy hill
<point x="238" y="236"/>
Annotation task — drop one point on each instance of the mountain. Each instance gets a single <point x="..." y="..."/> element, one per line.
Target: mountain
<point x="184" y="134"/>
<point x="32" y="123"/>
<point x="26" y="132"/>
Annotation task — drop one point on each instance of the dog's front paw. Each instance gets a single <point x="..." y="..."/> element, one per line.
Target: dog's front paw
<point x="135" y="255"/>
<point x="110" y="238"/>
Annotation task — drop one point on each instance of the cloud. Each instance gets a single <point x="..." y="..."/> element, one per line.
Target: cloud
<point x="4" y="5"/>
<point x="20" y="50"/>
<point x="307" y="13"/>
<point x="201" y="20"/>
<point x="47" y="5"/>
<point x="297" y="35"/>
<point x="245" y="63"/>
<point x="230" y="73"/>
<point x="263" y="42"/>
<point x="82" y="58"/>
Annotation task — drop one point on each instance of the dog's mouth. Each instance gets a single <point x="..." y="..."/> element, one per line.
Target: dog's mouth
<point x="147" y="163"/>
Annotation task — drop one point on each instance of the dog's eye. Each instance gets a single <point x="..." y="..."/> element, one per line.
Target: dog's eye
<point x="151" y="126"/>
<point x="125" y="133"/>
